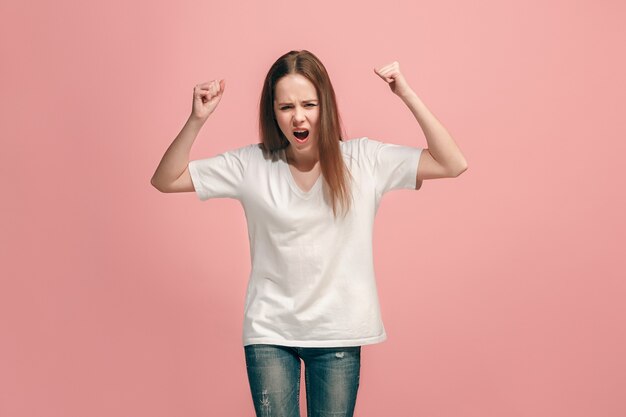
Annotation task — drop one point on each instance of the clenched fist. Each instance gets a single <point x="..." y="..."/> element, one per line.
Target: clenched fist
<point x="206" y="97"/>
<point x="392" y="75"/>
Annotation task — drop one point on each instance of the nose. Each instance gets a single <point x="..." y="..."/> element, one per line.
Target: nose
<point x="298" y="115"/>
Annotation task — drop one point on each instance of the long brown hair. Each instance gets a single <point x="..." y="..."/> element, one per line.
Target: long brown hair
<point x="334" y="172"/>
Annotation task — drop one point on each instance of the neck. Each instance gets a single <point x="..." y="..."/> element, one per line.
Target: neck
<point x="304" y="162"/>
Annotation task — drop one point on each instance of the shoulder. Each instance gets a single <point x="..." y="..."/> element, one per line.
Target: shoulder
<point x="352" y="143"/>
<point x="253" y="148"/>
<point x="248" y="152"/>
<point x="353" y="146"/>
<point x="362" y="149"/>
<point x="363" y="143"/>
<point x="238" y="157"/>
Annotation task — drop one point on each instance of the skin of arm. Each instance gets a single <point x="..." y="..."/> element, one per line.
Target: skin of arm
<point x="441" y="146"/>
<point x="443" y="158"/>
<point x="172" y="174"/>
<point x="176" y="158"/>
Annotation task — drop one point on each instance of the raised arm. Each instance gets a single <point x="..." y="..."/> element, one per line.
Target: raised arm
<point x="172" y="174"/>
<point x="442" y="158"/>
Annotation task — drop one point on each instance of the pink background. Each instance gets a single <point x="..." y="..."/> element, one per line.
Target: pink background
<point x="502" y="290"/>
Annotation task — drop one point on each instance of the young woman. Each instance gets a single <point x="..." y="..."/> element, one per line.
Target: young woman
<point x="310" y="199"/>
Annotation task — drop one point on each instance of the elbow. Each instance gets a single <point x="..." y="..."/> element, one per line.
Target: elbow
<point x="156" y="185"/>
<point x="458" y="171"/>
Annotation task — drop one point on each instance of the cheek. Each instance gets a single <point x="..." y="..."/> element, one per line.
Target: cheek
<point x="280" y="120"/>
<point x="316" y="119"/>
<point x="283" y="125"/>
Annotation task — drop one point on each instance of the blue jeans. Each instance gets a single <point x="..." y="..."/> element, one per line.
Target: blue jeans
<point x="331" y="376"/>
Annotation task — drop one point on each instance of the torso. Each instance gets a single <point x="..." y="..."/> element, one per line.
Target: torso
<point x="305" y="180"/>
<point x="312" y="281"/>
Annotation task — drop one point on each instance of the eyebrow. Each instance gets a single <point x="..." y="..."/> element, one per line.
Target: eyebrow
<point x="304" y="101"/>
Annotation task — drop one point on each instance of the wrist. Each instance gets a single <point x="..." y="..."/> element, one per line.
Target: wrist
<point x="407" y="95"/>
<point x="196" y="121"/>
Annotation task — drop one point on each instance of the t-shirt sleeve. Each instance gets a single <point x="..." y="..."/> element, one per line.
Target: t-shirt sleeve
<point x="221" y="175"/>
<point x="392" y="166"/>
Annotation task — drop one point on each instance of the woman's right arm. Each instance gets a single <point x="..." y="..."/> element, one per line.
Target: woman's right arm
<point x="172" y="174"/>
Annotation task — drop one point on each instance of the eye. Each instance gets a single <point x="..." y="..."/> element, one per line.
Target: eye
<point x="306" y="105"/>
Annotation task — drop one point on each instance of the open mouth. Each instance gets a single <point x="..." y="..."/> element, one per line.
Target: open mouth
<point x="301" y="134"/>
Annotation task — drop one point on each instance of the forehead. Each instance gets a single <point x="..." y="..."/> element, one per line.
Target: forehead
<point x="294" y="87"/>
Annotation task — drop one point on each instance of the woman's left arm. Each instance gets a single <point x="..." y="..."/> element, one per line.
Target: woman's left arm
<point x="442" y="158"/>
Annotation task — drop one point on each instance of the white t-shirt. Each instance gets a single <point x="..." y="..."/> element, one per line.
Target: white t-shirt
<point x="312" y="279"/>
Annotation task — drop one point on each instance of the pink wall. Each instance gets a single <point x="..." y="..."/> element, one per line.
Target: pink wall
<point x="502" y="290"/>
